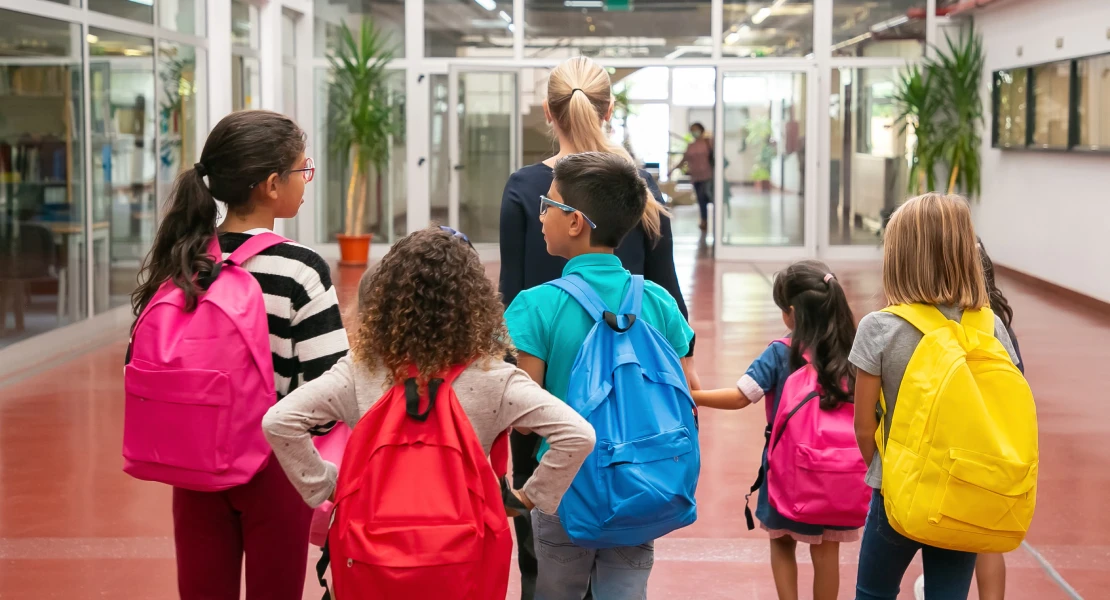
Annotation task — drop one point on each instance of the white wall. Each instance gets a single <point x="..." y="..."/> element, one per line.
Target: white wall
<point x="1046" y="214"/>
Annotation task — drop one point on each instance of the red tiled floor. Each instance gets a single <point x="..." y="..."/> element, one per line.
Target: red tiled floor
<point x="73" y="526"/>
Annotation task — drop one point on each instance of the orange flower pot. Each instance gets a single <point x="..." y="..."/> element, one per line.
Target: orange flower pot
<point x="354" y="250"/>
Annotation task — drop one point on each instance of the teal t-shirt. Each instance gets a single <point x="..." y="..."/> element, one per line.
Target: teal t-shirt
<point x="549" y="324"/>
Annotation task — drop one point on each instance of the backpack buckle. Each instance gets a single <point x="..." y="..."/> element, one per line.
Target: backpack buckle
<point x="612" y="321"/>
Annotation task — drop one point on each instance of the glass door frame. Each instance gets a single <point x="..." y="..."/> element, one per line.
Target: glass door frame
<point x="816" y="155"/>
<point x="488" y="250"/>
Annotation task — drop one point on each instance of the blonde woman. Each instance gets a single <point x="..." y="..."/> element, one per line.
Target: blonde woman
<point x="579" y="102"/>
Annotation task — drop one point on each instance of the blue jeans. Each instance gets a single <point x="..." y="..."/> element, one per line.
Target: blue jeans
<point x="885" y="555"/>
<point x="566" y="570"/>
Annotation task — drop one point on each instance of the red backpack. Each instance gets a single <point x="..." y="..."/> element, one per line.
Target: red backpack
<point x="418" y="509"/>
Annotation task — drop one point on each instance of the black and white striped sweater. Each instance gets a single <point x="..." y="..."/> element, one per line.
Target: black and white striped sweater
<point x="302" y="309"/>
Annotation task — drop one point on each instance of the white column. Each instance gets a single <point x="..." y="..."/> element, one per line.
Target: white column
<point x="269" y="55"/>
<point x="219" y="60"/>
<point x="417" y="112"/>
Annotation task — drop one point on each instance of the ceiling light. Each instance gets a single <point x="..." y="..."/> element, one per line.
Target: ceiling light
<point x="92" y="39"/>
<point x="583" y="4"/>
<point x="745" y="30"/>
<point x="732" y="38"/>
<point x="505" y="17"/>
<point x="144" y="2"/>
<point x="762" y="15"/>
<point x="487" y="4"/>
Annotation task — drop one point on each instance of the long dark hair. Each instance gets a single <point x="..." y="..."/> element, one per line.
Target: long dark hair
<point x="242" y="151"/>
<point x="823" y="326"/>
<point x="999" y="305"/>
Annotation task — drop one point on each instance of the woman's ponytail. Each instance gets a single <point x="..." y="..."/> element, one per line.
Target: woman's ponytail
<point x="579" y="96"/>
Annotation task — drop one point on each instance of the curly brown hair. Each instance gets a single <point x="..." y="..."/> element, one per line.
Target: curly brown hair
<point x="429" y="303"/>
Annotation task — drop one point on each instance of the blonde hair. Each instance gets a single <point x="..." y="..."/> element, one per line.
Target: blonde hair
<point x="579" y="95"/>
<point x="931" y="256"/>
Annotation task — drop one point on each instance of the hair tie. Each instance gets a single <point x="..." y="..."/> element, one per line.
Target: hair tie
<point x="829" y="277"/>
<point x="576" y="90"/>
<point x="199" y="168"/>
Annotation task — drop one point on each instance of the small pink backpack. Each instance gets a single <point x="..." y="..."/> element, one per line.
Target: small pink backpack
<point x="198" y="383"/>
<point x="815" y="472"/>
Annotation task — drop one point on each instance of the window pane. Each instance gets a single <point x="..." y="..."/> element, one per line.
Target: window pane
<point x="179" y="146"/>
<point x="612" y="28"/>
<point x="289" y="90"/>
<point x="879" y="28"/>
<point x="764" y="140"/>
<point x="42" y="190"/>
<point x="384" y="209"/>
<point x="245" y="82"/>
<point x="136" y="10"/>
<point x="244" y="24"/>
<point x="468" y="28"/>
<point x="124" y="161"/>
<point x="869" y="154"/>
<point x="186" y="16"/>
<point x="388" y="17"/>
<point x="768" y="28"/>
<point x="1012" y="107"/>
<point x="1094" y="102"/>
<point x="1051" y="94"/>
<point x="288" y="34"/>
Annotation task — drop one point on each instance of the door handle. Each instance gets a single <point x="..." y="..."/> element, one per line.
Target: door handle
<point x="460" y="167"/>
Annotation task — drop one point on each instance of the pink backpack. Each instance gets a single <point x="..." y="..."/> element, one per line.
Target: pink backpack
<point x="198" y="383"/>
<point x="815" y="473"/>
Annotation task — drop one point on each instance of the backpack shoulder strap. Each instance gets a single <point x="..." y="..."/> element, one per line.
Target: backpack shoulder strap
<point x="253" y="246"/>
<point x="634" y="299"/>
<point x="924" y="317"/>
<point x="981" y="320"/>
<point x="583" y="294"/>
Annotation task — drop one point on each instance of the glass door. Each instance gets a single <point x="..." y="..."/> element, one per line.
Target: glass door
<point x="483" y="122"/>
<point x="765" y="181"/>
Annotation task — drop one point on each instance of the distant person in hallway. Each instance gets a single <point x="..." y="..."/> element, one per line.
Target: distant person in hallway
<point x="930" y="258"/>
<point x="254" y="162"/>
<point x="430" y="304"/>
<point x="579" y="102"/>
<point x="698" y="162"/>
<point x="815" y="310"/>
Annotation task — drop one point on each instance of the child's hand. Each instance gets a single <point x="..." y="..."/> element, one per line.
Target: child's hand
<point x="726" y="399"/>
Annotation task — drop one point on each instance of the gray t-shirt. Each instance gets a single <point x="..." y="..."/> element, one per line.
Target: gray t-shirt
<point x="883" y="347"/>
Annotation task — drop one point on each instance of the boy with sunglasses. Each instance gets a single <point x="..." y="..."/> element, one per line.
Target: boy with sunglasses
<point x="594" y="201"/>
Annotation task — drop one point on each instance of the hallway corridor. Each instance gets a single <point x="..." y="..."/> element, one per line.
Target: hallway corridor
<point x="73" y="526"/>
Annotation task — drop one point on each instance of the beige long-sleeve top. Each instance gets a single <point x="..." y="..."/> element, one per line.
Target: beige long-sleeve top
<point x="494" y="396"/>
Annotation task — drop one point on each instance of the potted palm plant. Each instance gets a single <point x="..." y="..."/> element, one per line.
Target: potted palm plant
<point x="759" y="140"/>
<point x="362" y="123"/>
<point x="941" y="101"/>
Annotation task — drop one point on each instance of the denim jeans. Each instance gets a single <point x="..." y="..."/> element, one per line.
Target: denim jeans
<point x="885" y="555"/>
<point x="566" y="570"/>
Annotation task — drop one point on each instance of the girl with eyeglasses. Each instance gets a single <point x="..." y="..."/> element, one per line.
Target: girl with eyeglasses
<point x="254" y="162"/>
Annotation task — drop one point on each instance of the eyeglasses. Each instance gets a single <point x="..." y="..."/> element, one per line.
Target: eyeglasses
<point x="308" y="171"/>
<point x="458" y="234"/>
<point x="546" y="202"/>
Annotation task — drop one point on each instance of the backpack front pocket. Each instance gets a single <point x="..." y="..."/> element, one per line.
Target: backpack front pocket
<point x="828" y="486"/>
<point x="177" y="418"/>
<point x="646" y="478"/>
<point x="985" y="494"/>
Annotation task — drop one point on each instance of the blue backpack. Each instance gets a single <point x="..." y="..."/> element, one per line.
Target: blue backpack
<point x="627" y="381"/>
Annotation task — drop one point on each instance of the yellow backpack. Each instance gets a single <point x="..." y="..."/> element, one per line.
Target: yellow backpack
<point x="960" y="461"/>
